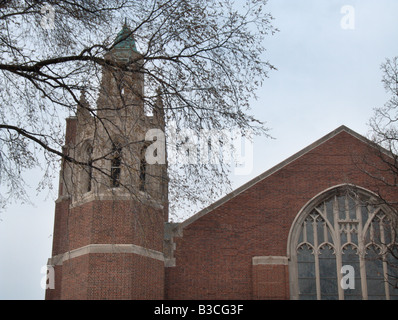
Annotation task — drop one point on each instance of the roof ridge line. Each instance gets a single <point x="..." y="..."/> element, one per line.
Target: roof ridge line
<point x="273" y="170"/>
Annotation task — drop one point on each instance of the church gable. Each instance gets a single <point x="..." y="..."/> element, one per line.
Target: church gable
<point x="237" y="247"/>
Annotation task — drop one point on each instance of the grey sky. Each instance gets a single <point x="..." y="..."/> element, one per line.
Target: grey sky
<point x="327" y="76"/>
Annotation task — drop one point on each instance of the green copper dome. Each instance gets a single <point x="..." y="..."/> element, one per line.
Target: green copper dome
<point x="125" y="39"/>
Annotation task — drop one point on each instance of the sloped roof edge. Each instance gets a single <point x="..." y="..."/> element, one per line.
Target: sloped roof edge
<point x="276" y="168"/>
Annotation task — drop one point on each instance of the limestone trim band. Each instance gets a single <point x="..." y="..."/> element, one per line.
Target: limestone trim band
<point x="270" y="260"/>
<point x="105" y="248"/>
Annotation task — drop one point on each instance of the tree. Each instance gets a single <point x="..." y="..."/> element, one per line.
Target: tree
<point x="384" y="132"/>
<point x="204" y="60"/>
<point x="382" y="165"/>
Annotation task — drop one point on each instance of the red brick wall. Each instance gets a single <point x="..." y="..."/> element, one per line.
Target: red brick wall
<point x="108" y="275"/>
<point x="60" y="233"/>
<point x="75" y="275"/>
<point x="270" y="282"/>
<point x="214" y="255"/>
<point x="115" y="222"/>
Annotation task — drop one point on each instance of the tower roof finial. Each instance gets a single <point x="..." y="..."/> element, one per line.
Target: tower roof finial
<point x="125" y="39"/>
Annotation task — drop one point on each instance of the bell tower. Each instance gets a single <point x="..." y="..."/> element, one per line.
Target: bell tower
<point x="112" y="204"/>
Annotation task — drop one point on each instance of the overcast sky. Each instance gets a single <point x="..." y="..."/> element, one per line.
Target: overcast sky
<point x="327" y="76"/>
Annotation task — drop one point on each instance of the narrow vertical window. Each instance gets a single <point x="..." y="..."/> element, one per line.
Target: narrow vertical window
<point x="89" y="168"/>
<point x="143" y="169"/>
<point x="142" y="174"/>
<point x="86" y="171"/>
<point x="116" y="165"/>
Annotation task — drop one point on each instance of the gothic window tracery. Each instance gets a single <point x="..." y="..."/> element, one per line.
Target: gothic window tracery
<point x="345" y="229"/>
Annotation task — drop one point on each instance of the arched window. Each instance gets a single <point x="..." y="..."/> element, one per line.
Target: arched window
<point x="116" y="162"/>
<point x="340" y="247"/>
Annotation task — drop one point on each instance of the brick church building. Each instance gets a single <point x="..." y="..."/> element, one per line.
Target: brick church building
<point x="312" y="227"/>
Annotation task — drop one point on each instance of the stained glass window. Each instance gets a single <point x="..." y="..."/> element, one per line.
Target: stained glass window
<point x="346" y="229"/>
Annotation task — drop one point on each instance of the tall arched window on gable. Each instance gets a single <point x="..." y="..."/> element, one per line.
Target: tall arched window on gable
<point x="116" y="162"/>
<point x="344" y="227"/>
